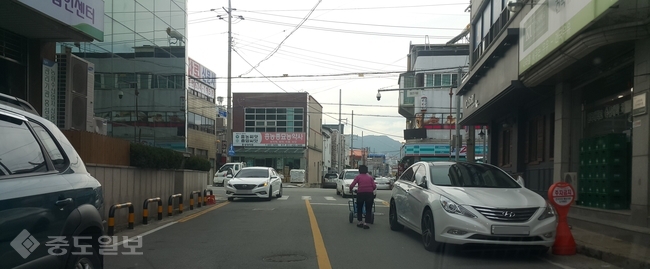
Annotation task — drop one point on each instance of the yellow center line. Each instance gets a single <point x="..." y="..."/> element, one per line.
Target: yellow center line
<point x="385" y="203"/>
<point x="202" y="212"/>
<point x="321" y="251"/>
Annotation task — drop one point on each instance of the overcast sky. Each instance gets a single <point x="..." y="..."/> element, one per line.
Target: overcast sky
<point x="340" y="36"/>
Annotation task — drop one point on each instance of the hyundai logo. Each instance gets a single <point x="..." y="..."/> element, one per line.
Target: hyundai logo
<point x="508" y="214"/>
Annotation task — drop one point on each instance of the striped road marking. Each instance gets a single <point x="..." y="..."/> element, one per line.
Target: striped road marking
<point x="306" y="197"/>
<point x="283" y="198"/>
<point x="329" y="198"/>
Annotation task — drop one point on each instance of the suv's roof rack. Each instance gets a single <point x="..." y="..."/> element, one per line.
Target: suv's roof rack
<point x="17" y="103"/>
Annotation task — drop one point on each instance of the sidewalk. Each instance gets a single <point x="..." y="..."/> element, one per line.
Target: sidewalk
<point x="611" y="250"/>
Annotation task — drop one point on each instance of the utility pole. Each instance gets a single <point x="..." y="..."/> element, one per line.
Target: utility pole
<point x="340" y="139"/>
<point x="352" y="142"/>
<point x="363" y="150"/>
<point x="459" y="142"/>
<point x="229" y="136"/>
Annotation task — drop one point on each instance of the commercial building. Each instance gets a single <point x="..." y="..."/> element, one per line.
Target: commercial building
<point x="563" y="87"/>
<point x="339" y="147"/>
<point x="144" y="88"/>
<point x="29" y="31"/>
<point x="327" y="149"/>
<point x="429" y="102"/>
<point x="279" y="130"/>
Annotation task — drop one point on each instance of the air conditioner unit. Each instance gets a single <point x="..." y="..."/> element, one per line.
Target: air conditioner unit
<point x="101" y="126"/>
<point x="76" y="91"/>
<point x="572" y="178"/>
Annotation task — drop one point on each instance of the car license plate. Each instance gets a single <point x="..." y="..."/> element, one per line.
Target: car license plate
<point x="243" y="192"/>
<point x="510" y="230"/>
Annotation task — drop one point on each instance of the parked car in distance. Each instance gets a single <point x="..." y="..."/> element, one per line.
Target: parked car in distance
<point x="344" y="181"/>
<point x="329" y="180"/>
<point x="470" y="203"/>
<point x="254" y="182"/>
<point x="45" y="192"/>
<point x="221" y="175"/>
<point x="383" y="183"/>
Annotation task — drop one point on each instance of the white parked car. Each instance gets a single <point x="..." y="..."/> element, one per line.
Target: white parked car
<point x="344" y="181"/>
<point x="221" y="175"/>
<point x="462" y="203"/>
<point x="254" y="182"/>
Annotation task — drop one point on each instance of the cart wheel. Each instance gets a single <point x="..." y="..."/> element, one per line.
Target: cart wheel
<point x="351" y="217"/>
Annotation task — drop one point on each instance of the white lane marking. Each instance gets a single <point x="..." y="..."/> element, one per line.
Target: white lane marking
<point x="379" y="200"/>
<point x="330" y="198"/>
<point x="133" y="238"/>
<point x="283" y="198"/>
<point x="557" y="264"/>
<point x="306" y="197"/>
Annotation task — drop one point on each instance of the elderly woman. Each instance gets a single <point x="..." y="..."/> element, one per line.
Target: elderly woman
<point x="365" y="194"/>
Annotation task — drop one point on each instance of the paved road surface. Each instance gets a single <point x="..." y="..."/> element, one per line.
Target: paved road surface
<point x="307" y="228"/>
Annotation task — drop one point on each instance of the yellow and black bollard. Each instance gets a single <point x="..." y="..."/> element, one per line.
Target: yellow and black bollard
<point x="111" y="217"/>
<point x="192" y="199"/>
<point x="170" y="204"/>
<point x="145" y="209"/>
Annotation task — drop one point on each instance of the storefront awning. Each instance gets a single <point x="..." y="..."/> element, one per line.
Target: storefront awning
<point x="269" y="150"/>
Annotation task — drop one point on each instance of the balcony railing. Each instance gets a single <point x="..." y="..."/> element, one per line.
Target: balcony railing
<point x="492" y="34"/>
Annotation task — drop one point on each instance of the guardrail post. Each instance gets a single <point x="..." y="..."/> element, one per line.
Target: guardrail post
<point x="192" y="199"/>
<point x="145" y="209"/>
<point x="205" y="195"/>
<point x="170" y="204"/>
<point x="111" y="216"/>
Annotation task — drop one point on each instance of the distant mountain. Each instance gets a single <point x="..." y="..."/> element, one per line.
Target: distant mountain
<point x="377" y="144"/>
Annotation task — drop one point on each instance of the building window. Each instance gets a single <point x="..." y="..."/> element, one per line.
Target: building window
<point x="200" y="123"/>
<point x="273" y="119"/>
<point x="493" y="18"/>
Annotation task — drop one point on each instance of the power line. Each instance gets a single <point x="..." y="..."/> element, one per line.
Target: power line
<point x="347" y="74"/>
<point x="258" y="71"/>
<point x="347" y="31"/>
<point x="331" y="55"/>
<point x="362" y="8"/>
<point x="285" y="39"/>
<point x="315" y="59"/>
<point x="364" y="24"/>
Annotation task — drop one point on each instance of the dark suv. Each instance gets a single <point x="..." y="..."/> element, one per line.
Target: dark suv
<point x="49" y="203"/>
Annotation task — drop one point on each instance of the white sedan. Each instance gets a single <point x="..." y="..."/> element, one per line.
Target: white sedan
<point x="254" y="182"/>
<point x="465" y="203"/>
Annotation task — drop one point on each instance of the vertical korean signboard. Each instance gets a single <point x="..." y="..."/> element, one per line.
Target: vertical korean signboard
<point x="49" y="90"/>
<point x="202" y="79"/>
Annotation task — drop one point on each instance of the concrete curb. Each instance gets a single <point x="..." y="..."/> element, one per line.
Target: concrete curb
<point x="615" y="259"/>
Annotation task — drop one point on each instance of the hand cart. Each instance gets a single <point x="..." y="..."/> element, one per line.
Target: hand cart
<point x="352" y="204"/>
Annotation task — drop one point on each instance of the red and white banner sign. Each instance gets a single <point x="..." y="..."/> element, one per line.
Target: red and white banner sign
<point x="254" y="139"/>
